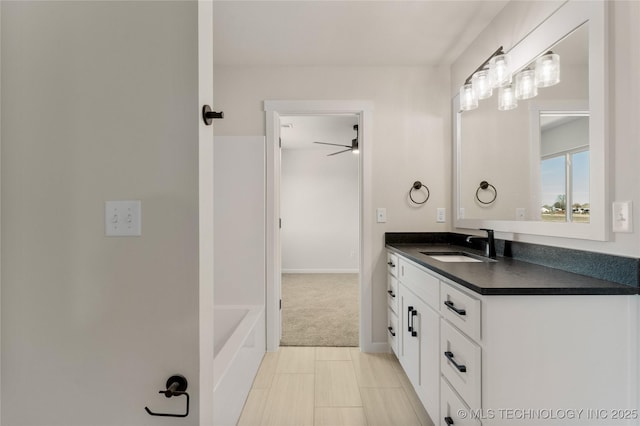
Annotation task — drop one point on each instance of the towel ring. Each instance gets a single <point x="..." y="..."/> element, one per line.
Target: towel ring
<point x="484" y="185"/>
<point x="417" y="185"/>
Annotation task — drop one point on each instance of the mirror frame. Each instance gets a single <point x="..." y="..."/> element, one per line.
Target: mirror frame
<point x="555" y="28"/>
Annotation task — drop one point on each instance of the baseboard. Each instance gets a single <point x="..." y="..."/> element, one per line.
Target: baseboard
<point x="320" y="271"/>
<point x="376" y="347"/>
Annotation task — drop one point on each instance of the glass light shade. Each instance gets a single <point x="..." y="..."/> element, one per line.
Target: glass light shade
<point x="548" y="70"/>
<point x="481" y="84"/>
<point x="468" y="99"/>
<point x="526" y="85"/>
<point x="507" y="98"/>
<point x="500" y="71"/>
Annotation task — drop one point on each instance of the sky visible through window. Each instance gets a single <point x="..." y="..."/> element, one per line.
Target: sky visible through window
<point x="554" y="181"/>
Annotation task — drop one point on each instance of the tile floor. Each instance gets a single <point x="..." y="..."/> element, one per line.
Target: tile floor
<point x="325" y="386"/>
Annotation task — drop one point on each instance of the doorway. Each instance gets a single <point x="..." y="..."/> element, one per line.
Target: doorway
<point x="319" y="208"/>
<point x="274" y="110"/>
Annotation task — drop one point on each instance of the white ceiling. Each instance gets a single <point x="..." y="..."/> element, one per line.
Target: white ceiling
<point x="347" y="33"/>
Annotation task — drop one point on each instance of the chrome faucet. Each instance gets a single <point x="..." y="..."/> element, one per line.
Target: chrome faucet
<point x="489" y="240"/>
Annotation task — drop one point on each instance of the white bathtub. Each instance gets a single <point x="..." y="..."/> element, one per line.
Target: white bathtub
<point x="239" y="346"/>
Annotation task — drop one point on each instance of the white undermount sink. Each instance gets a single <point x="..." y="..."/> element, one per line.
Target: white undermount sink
<point x="455" y="256"/>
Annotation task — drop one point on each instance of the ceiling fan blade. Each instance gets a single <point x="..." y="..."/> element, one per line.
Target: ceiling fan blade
<point x="339" y="152"/>
<point x="333" y="144"/>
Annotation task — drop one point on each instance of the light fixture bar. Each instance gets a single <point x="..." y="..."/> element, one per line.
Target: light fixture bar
<point x="500" y="51"/>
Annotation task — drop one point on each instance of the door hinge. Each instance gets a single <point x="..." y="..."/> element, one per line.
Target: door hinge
<point x="280" y="304"/>
<point x="279" y="142"/>
<point x="280" y="223"/>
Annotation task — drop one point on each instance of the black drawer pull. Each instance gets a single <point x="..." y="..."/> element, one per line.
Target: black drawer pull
<point x="391" y="293"/>
<point x="413" y="314"/>
<point x="409" y="325"/>
<point x="451" y="306"/>
<point x="448" y="420"/>
<point x="461" y="368"/>
<point x="391" y="331"/>
<point x="390" y="263"/>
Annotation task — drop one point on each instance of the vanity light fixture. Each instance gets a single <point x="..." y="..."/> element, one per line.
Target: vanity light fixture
<point x="548" y="69"/>
<point x="481" y="84"/>
<point x="496" y="73"/>
<point x="478" y="85"/>
<point x="526" y="84"/>
<point x="507" y="98"/>
<point x="468" y="99"/>
<point x="500" y="70"/>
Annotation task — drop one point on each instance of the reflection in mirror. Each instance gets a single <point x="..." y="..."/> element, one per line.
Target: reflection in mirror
<point x="564" y="167"/>
<point x="536" y="155"/>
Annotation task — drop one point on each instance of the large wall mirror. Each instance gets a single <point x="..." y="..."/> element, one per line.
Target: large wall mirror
<point x="541" y="168"/>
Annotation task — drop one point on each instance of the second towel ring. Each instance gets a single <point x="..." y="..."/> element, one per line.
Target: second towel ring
<point x="417" y="185"/>
<point x="486" y="185"/>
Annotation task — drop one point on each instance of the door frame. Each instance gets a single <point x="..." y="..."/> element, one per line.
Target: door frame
<point x="273" y="111"/>
<point x="205" y="214"/>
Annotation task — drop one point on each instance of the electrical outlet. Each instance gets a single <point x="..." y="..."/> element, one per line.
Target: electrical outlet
<point x="381" y="215"/>
<point x="521" y="213"/>
<point x="622" y="216"/>
<point x="441" y="213"/>
<point x="461" y="213"/>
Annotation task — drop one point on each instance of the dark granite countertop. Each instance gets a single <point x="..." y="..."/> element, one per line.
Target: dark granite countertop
<point x="508" y="276"/>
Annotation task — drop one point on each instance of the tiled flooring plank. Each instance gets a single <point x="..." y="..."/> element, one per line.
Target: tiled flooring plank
<point x="336" y="385"/>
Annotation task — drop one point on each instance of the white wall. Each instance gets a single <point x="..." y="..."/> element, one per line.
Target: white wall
<point x="515" y="21"/>
<point x="239" y="220"/>
<point x="99" y="102"/>
<point x="411" y="137"/>
<point x="320" y="210"/>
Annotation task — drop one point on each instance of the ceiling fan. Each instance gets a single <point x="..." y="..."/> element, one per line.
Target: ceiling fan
<point x="353" y="147"/>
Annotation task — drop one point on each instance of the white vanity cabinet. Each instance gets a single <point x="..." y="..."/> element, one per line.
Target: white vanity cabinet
<point x="498" y="360"/>
<point x="419" y="333"/>
<point x="392" y="302"/>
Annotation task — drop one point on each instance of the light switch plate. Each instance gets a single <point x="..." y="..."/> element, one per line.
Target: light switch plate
<point x="441" y="215"/>
<point x="122" y="218"/>
<point x="622" y="216"/>
<point x="381" y="215"/>
<point x="521" y="213"/>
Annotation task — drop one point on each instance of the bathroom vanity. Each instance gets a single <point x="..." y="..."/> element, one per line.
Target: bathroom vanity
<point x="508" y="342"/>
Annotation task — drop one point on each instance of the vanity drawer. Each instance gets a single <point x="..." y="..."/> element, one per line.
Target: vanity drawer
<point x="423" y="284"/>
<point x="461" y="363"/>
<point x="451" y="406"/>
<point x="392" y="293"/>
<point x="392" y="263"/>
<point x="392" y="330"/>
<point x="461" y="310"/>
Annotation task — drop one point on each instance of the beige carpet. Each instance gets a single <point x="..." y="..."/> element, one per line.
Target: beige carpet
<point x="320" y="310"/>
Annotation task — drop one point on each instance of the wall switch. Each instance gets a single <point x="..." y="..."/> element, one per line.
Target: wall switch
<point x="381" y="215"/>
<point x="122" y="218"/>
<point x="441" y="213"/>
<point x="622" y="216"/>
<point x="521" y="213"/>
<point x="461" y="213"/>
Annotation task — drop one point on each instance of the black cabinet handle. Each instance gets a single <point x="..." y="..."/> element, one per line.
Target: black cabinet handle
<point x="409" y="322"/>
<point x="391" y="331"/>
<point x="390" y="263"/>
<point x="448" y="420"/>
<point x="413" y="326"/>
<point x="451" y="306"/>
<point x="461" y="368"/>
<point x="391" y="293"/>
